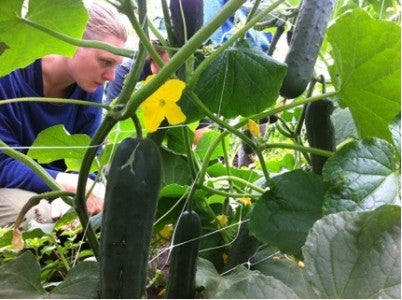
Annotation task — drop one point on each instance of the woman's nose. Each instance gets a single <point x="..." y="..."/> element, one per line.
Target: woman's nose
<point x="109" y="74"/>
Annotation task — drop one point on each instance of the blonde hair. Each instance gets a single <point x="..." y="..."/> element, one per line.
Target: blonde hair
<point x="104" y="20"/>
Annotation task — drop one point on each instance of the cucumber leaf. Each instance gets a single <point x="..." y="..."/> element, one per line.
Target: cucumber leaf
<point x="356" y="255"/>
<point x="21" y="44"/>
<point x="55" y="143"/>
<point x="367" y="70"/>
<point x="283" y="215"/>
<point x="240" y="284"/>
<point x="395" y="128"/>
<point x="20" y="278"/>
<point x="241" y="81"/>
<point x="363" y="175"/>
<point x="272" y="263"/>
<point x="82" y="281"/>
<point x="175" y="169"/>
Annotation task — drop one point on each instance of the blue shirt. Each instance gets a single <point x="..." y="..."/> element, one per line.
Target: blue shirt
<point x="257" y="38"/>
<point x="21" y="122"/>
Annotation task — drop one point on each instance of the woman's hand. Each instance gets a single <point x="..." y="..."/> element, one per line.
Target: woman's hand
<point x="69" y="182"/>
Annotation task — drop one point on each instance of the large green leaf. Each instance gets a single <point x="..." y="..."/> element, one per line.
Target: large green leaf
<point x="240" y="284"/>
<point x="20" y="278"/>
<point x="344" y="125"/>
<point x="241" y="81"/>
<point x="272" y="263"/>
<point x="22" y="43"/>
<point x="205" y="142"/>
<point x="367" y="70"/>
<point x="395" y="128"/>
<point x="356" y="254"/>
<point x="82" y="281"/>
<point x="56" y="143"/>
<point x="175" y="169"/>
<point x="363" y="175"/>
<point x="283" y="215"/>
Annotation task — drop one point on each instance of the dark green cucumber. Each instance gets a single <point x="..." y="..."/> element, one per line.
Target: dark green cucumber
<point x="309" y="30"/>
<point x="193" y="12"/>
<point x="183" y="257"/>
<point x="131" y="198"/>
<point x="243" y="248"/>
<point x="320" y="130"/>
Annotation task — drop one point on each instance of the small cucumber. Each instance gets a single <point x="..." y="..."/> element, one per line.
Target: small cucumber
<point x="131" y="198"/>
<point x="309" y="30"/>
<point x="183" y="258"/>
<point x="320" y="130"/>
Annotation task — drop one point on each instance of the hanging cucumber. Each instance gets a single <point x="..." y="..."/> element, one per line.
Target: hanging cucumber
<point x="132" y="193"/>
<point x="307" y="37"/>
<point x="183" y="258"/>
<point x="193" y="12"/>
<point x="320" y="130"/>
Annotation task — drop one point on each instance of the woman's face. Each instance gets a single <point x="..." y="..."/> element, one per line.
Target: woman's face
<point x="91" y="68"/>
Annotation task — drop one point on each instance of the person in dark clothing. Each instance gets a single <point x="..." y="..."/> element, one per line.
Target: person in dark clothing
<point x="81" y="77"/>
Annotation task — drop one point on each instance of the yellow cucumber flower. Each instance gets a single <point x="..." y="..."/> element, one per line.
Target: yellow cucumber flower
<point x="245" y="200"/>
<point x="162" y="104"/>
<point x="254" y="128"/>
<point x="222" y="220"/>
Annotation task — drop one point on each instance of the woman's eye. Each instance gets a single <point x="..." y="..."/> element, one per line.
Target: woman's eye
<point x="106" y="62"/>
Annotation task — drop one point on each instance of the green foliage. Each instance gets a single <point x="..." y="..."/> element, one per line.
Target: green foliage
<point x="288" y="210"/>
<point x="344" y="225"/>
<point x="21" y="279"/>
<point x="363" y="176"/>
<point x="241" y="81"/>
<point x="55" y="143"/>
<point x="367" y="74"/>
<point x="241" y="284"/>
<point x="359" y="255"/>
<point x="47" y="13"/>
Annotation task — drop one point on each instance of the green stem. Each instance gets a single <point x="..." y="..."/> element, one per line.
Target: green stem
<point x="187" y="146"/>
<point x="34" y="200"/>
<point x="231" y="129"/>
<point x="298" y="148"/>
<point x="182" y="55"/>
<point x="36" y="168"/>
<point x="80" y="43"/>
<point x="228" y="194"/>
<point x="197" y="101"/>
<point x="142" y="31"/>
<point x="253" y="10"/>
<point x="285" y="107"/>
<point x="168" y="24"/>
<point x="55" y="100"/>
<point x="239" y="180"/>
<point x="80" y="199"/>
<point x="59" y="252"/>
<point x="226" y="159"/>
<point x="205" y="162"/>
<point x="137" y="125"/>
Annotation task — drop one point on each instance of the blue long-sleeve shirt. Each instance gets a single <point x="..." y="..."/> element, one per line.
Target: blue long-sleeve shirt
<point x="21" y="122"/>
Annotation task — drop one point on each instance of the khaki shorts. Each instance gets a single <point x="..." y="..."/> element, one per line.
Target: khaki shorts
<point x="11" y="203"/>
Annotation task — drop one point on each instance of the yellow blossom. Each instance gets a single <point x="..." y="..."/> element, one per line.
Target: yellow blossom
<point x="254" y="128"/>
<point x="162" y="104"/>
<point x="166" y="231"/>
<point x="245" y="200"/>
<point x="222" y="220"/>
